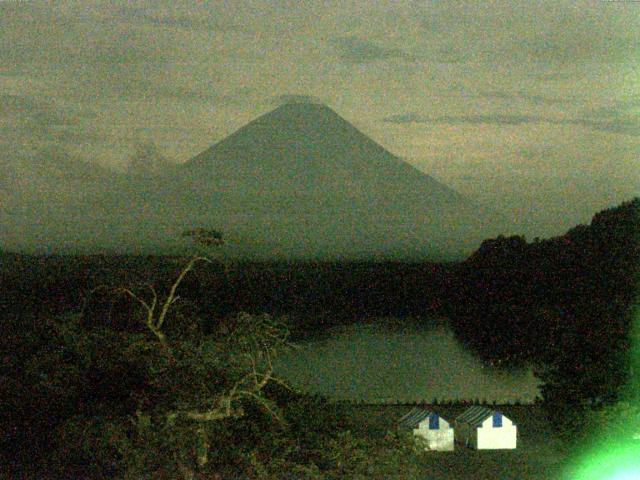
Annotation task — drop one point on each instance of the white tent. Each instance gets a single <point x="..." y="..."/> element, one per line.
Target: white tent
<point x="482" y="429"/>
<point x="433" y="431"/>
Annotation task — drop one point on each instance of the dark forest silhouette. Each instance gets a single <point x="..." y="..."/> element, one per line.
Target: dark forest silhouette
<point x="562" y="304"/>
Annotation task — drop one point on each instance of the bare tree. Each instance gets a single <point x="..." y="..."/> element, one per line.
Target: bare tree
<point x="242" y="350"/>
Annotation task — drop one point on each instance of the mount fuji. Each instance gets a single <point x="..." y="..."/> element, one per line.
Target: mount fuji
<point x="299" y="182"/>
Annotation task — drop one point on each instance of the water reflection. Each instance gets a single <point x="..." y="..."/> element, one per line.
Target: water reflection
<point x="383" y="362"/>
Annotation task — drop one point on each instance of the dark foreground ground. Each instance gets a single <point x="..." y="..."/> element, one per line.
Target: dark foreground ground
<point x="540" y="455"/>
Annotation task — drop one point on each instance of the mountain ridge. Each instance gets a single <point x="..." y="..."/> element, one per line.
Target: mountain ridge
<point x="297" y="182"/>
<point x="306" y="162"/>
<point x="304" y="137"/>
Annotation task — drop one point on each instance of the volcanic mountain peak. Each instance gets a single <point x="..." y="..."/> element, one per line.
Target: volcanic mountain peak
<point x="305" y="108"/>
<point x="309" y="144"/>
<point x="303" y="127"/>
<point x="297" y="182"/>
<point x="305" y="115"/>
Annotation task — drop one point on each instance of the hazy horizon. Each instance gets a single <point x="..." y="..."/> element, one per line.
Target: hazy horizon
<point x="530" y="109"/>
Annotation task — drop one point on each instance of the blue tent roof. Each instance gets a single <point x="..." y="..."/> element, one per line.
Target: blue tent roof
<point x="415" y="416"/>
<point x="476" y="415"/>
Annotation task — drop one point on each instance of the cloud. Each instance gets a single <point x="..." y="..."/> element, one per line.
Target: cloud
<point x="294" y="98"/>
<point x="85" y="55"/>
<point x="617" y="109"/>
<point x="517" y="96"/>
<point x="550" y="33"/>
<point x="357" y="51"/>
<point x="31" y="124"/>
<point x="63" y="40"/>
<point x="579" y="45"/>
<point x="56" y="161"/>
<point x="621" y="125"/>
<point x="531" y="98"/>
<point x="143" y="16"/>
<point x="39" y="111"/>
<point x="185" y="93"/>
<point x="624" y="126"/>
<point x="543" y="100"/>
<point x="30" y="117"/>
<point x="196" y="19"/>
<point x="497" y="119"/>
<point x="555" y="76"/>
<point x="406" y="118"/>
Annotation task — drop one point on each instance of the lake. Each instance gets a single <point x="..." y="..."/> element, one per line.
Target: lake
<point x="385" y="362"/>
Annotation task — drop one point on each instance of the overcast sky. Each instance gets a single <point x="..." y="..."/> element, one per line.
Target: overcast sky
<point x="531" y="101"/>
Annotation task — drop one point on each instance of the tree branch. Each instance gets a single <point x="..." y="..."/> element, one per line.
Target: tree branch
<point x="172" y="293"/>
<point x="137" y="298"/>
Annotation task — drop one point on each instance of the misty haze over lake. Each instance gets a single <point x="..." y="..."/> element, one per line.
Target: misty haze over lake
<point x="386" y="363"/>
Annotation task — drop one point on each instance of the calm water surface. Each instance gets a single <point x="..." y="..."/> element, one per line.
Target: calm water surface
<point x="385" y="362"/>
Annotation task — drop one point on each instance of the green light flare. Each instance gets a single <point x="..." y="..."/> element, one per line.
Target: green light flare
<point x="609" y="462"/>
<point x="633" y="385"/>
<point x="607" y="459"/>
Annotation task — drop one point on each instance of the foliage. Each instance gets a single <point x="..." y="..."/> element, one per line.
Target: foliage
<point x="190" y="382"/>
<point x="565" y="297"/>
<point x="619" y="421"/>
<point x="205" y="237"/>
<point x="171" y="400"/>
<point x="180" y="392"/>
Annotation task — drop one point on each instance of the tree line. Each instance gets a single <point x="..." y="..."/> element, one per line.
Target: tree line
<point x="564" y="304"/>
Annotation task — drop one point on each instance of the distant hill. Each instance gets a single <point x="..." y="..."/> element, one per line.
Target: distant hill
<point x="297" y="182"/>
